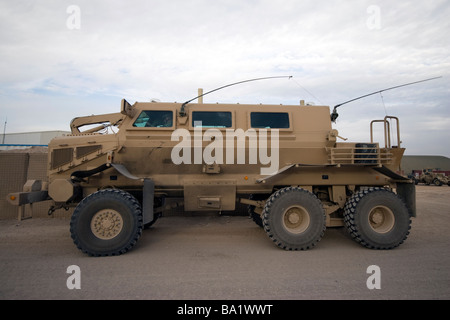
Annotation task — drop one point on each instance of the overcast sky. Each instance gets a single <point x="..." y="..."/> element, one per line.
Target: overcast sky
<point x="63" y="59"/>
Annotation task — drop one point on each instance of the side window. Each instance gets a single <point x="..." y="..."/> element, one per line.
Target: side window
<point x="269" y="120"/>
<point x="154" y="119"/>
<point x="210" y="119"/>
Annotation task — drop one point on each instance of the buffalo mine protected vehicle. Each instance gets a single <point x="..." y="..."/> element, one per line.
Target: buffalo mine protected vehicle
<point x="285" y="162"/>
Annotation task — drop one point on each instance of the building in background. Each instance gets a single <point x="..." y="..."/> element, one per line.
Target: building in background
<point x="415" y="164"/>
<point x="24" y="140"/>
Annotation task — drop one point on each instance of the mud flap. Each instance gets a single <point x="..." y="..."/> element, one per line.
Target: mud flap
<point x="147" y="200"/>
<point x="407" y="191"/>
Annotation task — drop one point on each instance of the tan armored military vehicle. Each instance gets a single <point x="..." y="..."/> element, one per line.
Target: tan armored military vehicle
<point x="428" y="177"/>
<point x="285" y="162"/>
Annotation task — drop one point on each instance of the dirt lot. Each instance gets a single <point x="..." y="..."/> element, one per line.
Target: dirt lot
<point x="223" y="257"/>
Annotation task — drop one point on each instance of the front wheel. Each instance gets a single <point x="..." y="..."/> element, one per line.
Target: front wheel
<point x="377" y="218"/>
<point x="107" y="222"/>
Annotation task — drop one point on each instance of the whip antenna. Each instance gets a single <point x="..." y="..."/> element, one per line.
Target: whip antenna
<point x="334" y="115"/>
<point x="183" y="112"/>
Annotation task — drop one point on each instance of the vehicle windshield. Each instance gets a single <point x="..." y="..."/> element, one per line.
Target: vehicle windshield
<point x="154" y="119"/>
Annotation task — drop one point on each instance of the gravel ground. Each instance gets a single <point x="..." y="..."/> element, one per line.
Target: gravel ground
<point x="228" y="257"/>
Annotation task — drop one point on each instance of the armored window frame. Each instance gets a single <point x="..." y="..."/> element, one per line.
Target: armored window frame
<point x="212" y="119"/>
<point x="270" y="120"/>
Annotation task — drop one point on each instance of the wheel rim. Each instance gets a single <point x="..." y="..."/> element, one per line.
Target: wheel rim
<point x="296" y="219"/>
<point x="381" y="219"/>
<point x="106" y="224"/>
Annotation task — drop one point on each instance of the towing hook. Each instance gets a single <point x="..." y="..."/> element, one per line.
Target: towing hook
<point x="51" y="210"/>
<point x="54" y="208"/>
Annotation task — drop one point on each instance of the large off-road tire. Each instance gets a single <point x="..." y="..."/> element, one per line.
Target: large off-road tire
<point x="377" y="218"/>
<point x="294" y="219"/>
<point x="107" y="222"/>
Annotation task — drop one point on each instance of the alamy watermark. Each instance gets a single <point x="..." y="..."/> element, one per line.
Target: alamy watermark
<point x="74" y="280"/>
<point x="374" y="280"/>
<point x="213" y="153"/>
<point x="73" y="21"/>
<point x="373" y="22"/>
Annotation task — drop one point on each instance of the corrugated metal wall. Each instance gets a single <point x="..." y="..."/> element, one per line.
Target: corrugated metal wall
<point x="13" y="175"/>
<point x="15" y="169"/>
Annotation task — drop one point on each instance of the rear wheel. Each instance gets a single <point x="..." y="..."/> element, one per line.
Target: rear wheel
<point x="107" y="222"/>
<point x="294" y="219"/>
<point x="377" y="218"/>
